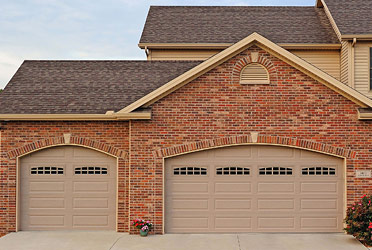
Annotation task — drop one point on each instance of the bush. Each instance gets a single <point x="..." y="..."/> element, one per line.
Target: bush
<point x="359" y="220"/>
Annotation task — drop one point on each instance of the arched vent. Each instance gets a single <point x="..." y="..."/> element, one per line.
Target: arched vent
<point x="254" y="73"/>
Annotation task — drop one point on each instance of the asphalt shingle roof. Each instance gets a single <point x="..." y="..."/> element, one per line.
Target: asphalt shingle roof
<point x="230" y="24"/>
<point x="352" y="16"/>
<point x="85" y="87"/>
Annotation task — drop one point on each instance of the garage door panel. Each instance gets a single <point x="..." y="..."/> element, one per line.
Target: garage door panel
<point x="231" y="152"/>
<point x="189" y="204"/>
<point x="47" y="220"/>
<point x="275" y="223"/>
<point x="276" y="187"/>
<point x="228" y="223"/>
<point x="40" y="203"/>
<point x="72" y="200"/>
<point x="190" y="223"/>
<point x="85" y="186"/>
<point x="275" y="153"/>
<point x="319" y="222"/>
<point x="319" y="187"/>
<point x="90" y="220"/>
<point x="275" y="195"/>
<point x="275" y="204"/>
<point x="47" y="186"/>
<point x="232" y="204"/>
<point x="232" y="187"/>
<point x="319" y="204"/>
<point x="90" y="203"/>
<point x="190" y="187"/>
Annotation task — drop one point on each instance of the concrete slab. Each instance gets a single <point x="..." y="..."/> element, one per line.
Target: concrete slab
<point x="79" y="240"/>
<point x="179" y="242"/>
<point x="60" y="240"/>
<point x="337" y="241"/>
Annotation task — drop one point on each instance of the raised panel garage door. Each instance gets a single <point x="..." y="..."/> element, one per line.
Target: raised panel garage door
<point x="68" y="187"/>
<point x="254" y="189"/>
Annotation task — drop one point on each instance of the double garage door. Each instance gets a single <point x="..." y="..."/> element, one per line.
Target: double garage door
<point x="67" y="187"/>
<point x="254" y="189"/>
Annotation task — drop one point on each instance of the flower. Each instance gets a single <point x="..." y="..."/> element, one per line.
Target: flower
<point x="364" y="195"/>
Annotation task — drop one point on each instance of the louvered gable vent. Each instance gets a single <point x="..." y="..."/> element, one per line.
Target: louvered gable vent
<point x="254" y="73"/>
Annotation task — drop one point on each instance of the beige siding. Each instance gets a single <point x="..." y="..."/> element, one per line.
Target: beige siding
<point x="326" y="60"/>
<point x="346" y="62"/>
<point x="174" y="54"/>
<point x="362" y="68"/>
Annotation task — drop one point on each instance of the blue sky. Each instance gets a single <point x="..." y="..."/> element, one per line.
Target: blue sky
<point x="83" y="29"/>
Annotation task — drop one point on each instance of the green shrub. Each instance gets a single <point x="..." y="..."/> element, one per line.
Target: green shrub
<point x="359" y="220"/>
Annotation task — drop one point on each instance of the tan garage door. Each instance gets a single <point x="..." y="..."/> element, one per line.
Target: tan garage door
<point x="68" y="187"/>
<point x="254" y="189"/>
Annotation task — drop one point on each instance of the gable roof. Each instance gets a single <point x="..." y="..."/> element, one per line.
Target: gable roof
<point x="353" y="17"/>
<point x="230" y="24"/>
<point x="233" y="50"/>
<point x="85" y="87"/>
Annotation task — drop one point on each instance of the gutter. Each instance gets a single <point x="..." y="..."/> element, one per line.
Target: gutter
<point x="109" y="116"/>
<point x="359" y="37"/>
<point x="149" y="46"/>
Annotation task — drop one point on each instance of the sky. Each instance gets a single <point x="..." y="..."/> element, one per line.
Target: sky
<point x="84" y="29"/>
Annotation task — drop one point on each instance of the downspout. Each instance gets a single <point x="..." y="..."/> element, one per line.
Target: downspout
<point x="353" y="63"/>
<point x="147" y="53"/>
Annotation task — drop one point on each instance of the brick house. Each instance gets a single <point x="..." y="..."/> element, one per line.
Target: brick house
<point x="243" y="119"/>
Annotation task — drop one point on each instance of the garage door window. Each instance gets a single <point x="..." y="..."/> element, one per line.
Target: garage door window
<point x="190" y="171"/>
<point x="319" y="171"/>
<point x="232" y="171"/>
<point x="46" y="170"/>
<point x="275" y="171"/>
<point x="91" y="170"/>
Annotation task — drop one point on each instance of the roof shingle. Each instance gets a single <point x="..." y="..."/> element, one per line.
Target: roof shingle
<point x="352" y="16"/>
<point x="230" y="24"/>
<point x="85" y="87"/>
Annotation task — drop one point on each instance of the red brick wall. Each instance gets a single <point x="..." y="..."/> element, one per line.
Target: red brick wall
<point x="215" y="105"/>
<point x="107" y="136"/>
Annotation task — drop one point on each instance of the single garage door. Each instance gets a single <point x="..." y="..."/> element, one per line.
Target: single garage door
<point x="254" y="189"/>
<point x="68" y="187"/>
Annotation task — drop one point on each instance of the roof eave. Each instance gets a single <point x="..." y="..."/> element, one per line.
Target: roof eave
<point x="77" y="117"/>
<point x="323" y="46"/>
<point x="358" y="36"/>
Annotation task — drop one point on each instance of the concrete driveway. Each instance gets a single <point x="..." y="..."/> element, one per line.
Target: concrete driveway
<point x="120" y="241"/>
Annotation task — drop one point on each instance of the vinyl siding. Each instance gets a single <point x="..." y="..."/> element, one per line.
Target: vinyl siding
<point x="362" y="68"/>
<point x="326" y="60"/>
<point x="346" y="62"/>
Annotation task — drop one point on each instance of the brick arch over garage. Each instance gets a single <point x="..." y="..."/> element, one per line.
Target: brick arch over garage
<point x="254" y="139"/>
<point x="65" y="141"/>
